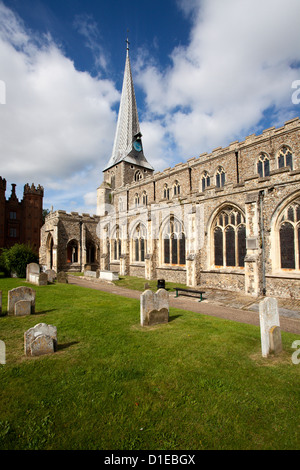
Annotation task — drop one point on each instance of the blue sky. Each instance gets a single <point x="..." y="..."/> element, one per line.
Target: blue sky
<point x="206" y="73"/>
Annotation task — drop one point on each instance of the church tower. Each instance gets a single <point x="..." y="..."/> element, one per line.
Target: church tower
<point x="127" y="162"/>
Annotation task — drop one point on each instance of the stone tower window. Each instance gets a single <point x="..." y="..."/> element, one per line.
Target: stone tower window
<point x="176" y="188"/>
<point x="145" y="198"/>
<point x="138" y="175"/>
<point x="205" y="181"/>
<point x="136" y="200"/>
<point x="220" y="177"/>
<point x="263" y="165"/>
<point x="166" y="192"/>
<point x="285" y="157"/>
<point x="229" y="236"/>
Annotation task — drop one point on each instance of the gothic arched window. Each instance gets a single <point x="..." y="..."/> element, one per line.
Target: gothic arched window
<point x="263" y="165"/>
<point x="176" y="188"/>
<point x="220" y="177"/>
<point x="229" y="238"/>
<point x="289" y="236"/>
<point x="145" y="198"/>
<point x="173" y="243"/>
<point x="166" y="192"/>
<point x="205" y="181"/>
<point x="139" y="243"/>
<point x="136" y="200"/>
<point x="138" y="175"/>
<point x="115" y="244"/>
<point x="285" y="157"/>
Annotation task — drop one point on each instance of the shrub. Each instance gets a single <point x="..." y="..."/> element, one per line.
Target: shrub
<point x="16" y="258"/>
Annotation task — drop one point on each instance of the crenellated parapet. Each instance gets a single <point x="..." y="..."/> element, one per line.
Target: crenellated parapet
<point x="39" y="190"/>
<point x="2" y="183"/>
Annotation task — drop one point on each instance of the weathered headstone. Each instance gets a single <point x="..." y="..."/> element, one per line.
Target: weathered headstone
<point x="51" y="275"/>
<point x="154" y="307"/>
<point x="22" y="307"/>
<point x="275" y="340"/>
<point x="2" y="352"/>
<point x="41" y="339"/>
<point x="20" y="293"/>
<point x="31" y="270"/>
<point x="34" y="275"/>
<point x="269" y="318"/>
<point x="62" y="277"/>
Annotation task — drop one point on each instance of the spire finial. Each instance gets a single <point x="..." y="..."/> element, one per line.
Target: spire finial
<point x="127" y="41"/>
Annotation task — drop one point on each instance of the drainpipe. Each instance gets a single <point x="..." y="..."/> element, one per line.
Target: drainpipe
<point x="261" y="223"/>
<point x="237" y="167"/>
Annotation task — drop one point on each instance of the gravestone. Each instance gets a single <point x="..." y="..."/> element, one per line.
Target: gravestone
<point x="2" y="352"/>
<point x="32" y="270"/>
<point x="20" y="293"/>
<point x="269" y="318"/>
<point x="41" y="339"/>
<point x="51" y="274"/>
<point x="62" y="277"/>
<point x="154" y="307"/>
<point x="34" y="275"/>
<point x="275" y="340"/>
<point x="22" y="307"/>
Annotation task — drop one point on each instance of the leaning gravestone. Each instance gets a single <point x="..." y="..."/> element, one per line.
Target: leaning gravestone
<point x="41" y="339"/>
<point x="154" y="307"/>
<point x="20" y="293"/>
<point x="269" y="326"/>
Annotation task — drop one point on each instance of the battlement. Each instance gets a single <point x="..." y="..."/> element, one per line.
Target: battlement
<point x="72" y="216"/>
<point x="2" y="183"/>
<point x="39" y="190"/>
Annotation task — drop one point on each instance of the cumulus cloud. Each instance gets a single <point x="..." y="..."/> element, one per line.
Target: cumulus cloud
<point x="57" y="125"/>
<point x="239" y="64"/>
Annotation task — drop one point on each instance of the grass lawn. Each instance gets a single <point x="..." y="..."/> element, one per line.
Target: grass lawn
<point x="198" y="382"/>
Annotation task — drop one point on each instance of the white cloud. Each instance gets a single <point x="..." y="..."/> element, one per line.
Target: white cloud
<point x="237" y="65"/>
<point x="57" y="125"/>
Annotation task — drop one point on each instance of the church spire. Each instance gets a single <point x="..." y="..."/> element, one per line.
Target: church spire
<point x="128" y="144"/>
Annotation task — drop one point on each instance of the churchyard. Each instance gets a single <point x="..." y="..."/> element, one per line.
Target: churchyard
<point x="192" y="382"/>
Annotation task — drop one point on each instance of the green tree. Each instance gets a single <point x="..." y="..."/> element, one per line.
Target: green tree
<point x="16" y="258"/>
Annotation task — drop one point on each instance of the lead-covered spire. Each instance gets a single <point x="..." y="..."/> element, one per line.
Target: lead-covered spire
<point x="127" y="144"/>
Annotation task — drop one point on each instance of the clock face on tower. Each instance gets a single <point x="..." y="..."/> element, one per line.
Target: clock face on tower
<point x="137" y="145"/>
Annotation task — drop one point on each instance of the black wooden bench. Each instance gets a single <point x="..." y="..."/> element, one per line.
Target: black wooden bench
<point x="190" y="291"/>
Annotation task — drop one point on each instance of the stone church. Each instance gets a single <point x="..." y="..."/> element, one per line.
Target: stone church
<point x="227" y="220"/>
